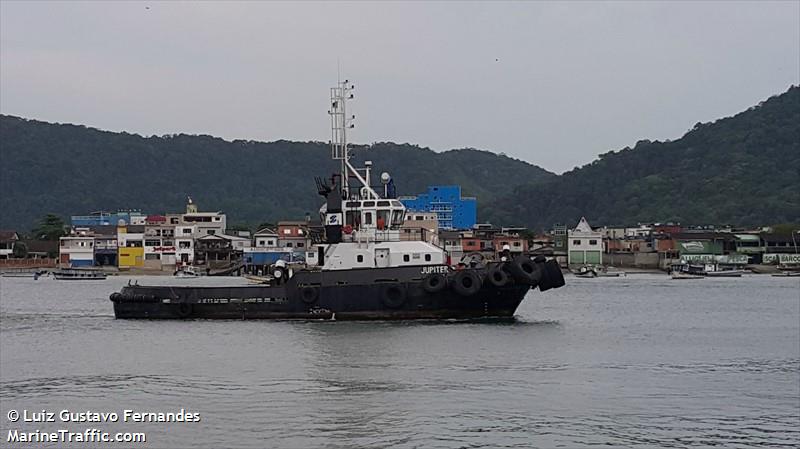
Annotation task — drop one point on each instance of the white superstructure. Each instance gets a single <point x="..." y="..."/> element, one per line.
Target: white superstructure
<point x="370" y="221"/>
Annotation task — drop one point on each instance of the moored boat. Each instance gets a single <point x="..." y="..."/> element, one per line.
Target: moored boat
<point x="82" y="274"/>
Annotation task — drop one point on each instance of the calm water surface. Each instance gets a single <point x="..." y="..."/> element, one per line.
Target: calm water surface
<point x="641" y="361"/>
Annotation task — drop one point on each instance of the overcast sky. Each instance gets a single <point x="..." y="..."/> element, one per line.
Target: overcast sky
<point x="554" y="84"/>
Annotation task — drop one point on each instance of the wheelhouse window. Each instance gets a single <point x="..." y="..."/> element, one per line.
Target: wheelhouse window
<point x="427" y="257"/>
<point x="359" y="258"/>
<point x="367" y="218"/>
<point x="406" y="258"/>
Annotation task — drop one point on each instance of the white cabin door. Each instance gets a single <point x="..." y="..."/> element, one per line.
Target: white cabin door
<point x="381" y="257"/>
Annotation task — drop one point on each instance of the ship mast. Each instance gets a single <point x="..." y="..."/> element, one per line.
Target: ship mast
<point x="340" y="123"/>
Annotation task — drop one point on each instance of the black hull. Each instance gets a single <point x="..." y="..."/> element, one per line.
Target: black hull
<point x="375" y="294"/>
<point x="342" y="303"/>
<point x="402" y="293"/>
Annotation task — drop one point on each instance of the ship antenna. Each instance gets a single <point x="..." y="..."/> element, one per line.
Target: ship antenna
<point x="340" y="151"/>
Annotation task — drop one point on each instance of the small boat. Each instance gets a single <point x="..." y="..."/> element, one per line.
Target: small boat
<point x="187" y="272"/>
<point x="786" y="274"/>
<point x="684" y="275"/>
<point x="24" y="273"/>
<point x="82" y="274"/>
<point x="725" y="273"/>
<point x="586" y="272"/>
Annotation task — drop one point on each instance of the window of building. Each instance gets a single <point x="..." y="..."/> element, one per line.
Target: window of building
<point x="593" y="242"/>
<point x="186" y="231"/>
<point x="517" y="244"/>
<point x="300" y="244"/>
<point x="299" y="232"/>
<point x="168" y="243"/>
<point x="288" y="244"/>
<point x="576" y="242"/>
<point x="359" y="258"/>
<point x="211" y="232"/>
<point x="262" y="243"/>
<point x="152" y="256"/>
<point x="152" y="243"/>
<point x="287" y="231"/>
<point x="185" y="245"/>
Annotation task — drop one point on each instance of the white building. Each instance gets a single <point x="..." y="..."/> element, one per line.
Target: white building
<point x="585" y="246"/>
<point x="265" y="238"/>
<point x="184" y="244"/>
<point x="76" y="250"/>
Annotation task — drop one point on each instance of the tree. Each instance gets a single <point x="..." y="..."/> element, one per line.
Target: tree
<point x="51" y="227"/>
<point x="20" y="250"/>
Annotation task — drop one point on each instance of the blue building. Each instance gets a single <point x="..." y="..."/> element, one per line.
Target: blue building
<point x="453" y="210"/>
<point x="105" y="218"/>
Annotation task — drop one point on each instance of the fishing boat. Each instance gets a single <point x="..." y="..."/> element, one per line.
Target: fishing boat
<point x="80" y="274"/>
<point x="361" y="269"/>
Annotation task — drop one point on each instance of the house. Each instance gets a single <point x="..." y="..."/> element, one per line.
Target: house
<point x="130" y="245"/>
<point x="219" y="251"/>
<point x="265" y="238"/>
<point x="7" y="241"/>
<point x="585" y="245"/>
<point x="293" y="234"/>
<point x="516" y="243"/>
<point x="76" y="249"/>
<point x="423" y="226"/>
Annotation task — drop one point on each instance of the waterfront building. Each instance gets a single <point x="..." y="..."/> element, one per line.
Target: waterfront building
<point x="130" y="245"/>
<point x="159" y="243"/>
<point x="293" y="234"/>
<point x="102" y="218"/>
<point x="219" y="251"/>
<point x="512" y="237"/>
<point x="422" y="226"/>
<point x="585" y="245"/>
<point x="76" y="249"/>
<point x="453" y="211"/>
<point x="105" y="249"/>
<point x="265" y="238"/>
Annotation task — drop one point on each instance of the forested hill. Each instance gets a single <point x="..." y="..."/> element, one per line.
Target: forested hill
<point x="741" y="170"/>
<point x="70" y="169"/>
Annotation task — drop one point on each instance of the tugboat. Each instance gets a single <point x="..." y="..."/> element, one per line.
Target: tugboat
<point x="362" y="270"/>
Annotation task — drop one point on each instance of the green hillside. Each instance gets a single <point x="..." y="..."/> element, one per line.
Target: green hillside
<point x="740" y="170"/>
<point x="69" y="169"/>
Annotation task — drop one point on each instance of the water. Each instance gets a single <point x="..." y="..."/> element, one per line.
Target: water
<point x="642" y="361"/>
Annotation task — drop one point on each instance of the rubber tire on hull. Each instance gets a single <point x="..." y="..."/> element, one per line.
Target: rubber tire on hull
<point x="553" y="277"/>
<point x="393" y="295"/>
<point x="467" y="283"/>
<point x="434" y="283"/>
<point x="498" y="277"/>
<point x="184" y="309"/>
<point x="525" y="270"/>
<point x="309" y="294"/>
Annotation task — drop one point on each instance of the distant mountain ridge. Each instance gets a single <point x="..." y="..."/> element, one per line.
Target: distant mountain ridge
<point x="72" y="169"/>
<point x="741" y="170"/>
